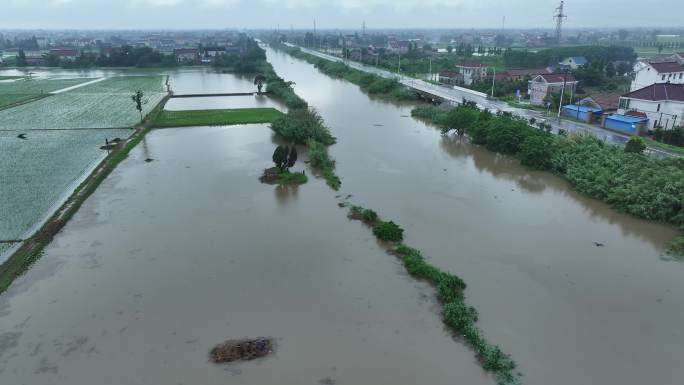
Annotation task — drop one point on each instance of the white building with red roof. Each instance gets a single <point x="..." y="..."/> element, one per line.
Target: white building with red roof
<point x="662" y="103"/>
<point x="471" y="71"/>
<point x="650" y="72"/>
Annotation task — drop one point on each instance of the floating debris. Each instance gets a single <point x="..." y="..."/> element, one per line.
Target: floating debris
<point x="378" y="125"/>
<point x="148" y="160"/>
<point x="241" y="350"/>
<point x="598" y="244"/>
<point x="22" y="136"/>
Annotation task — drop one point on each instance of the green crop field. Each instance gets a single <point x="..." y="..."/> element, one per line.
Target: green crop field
<point x="216" y="117"/>
<point x="105" y="104"/>
<point x="37" y="171"/>
<point x="25" y="89"/>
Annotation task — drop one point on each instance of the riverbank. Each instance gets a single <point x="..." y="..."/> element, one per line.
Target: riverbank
<point x="215" y="117"/>
<point x="31" y="249"/>
<point x="636" y="184"/>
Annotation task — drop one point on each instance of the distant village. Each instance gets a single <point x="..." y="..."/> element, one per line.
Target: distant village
<point x="628" y="81"/>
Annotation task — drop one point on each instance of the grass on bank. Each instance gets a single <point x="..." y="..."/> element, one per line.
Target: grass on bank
<point x="664" y="146"/>
<point x="215" y="117"/>
<point x="456" y="313"/>
<point x="292" y="178"/>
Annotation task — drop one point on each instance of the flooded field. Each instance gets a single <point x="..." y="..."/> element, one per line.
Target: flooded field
<point x="171" y="257"/>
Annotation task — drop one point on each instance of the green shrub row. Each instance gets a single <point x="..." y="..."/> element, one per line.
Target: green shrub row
<point x="637" y="184"/>
<point x="320" y="160"/>
<point x="279" y="88"/>
<point x="456" y="314"/>
<point x="388" y="231"/>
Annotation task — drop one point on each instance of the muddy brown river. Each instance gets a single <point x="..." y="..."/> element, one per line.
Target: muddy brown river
<point x="169" y="258"/>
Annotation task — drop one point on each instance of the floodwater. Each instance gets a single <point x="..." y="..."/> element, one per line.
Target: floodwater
<point x="569" y="312"/>
<point x="168" y="258"/>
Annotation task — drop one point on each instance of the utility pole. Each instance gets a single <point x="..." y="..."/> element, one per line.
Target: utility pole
<point x="430" y="59"/>
<point x="493" y="78"/>
<point x="560" y="104"/>
<point x="364" y="28"/>
<point x="399" y="62"/>
<point x="559" y="17"/>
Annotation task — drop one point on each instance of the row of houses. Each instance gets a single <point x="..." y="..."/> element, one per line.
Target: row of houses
<point x="655" y="100"/>
<point x="656" y="97"/>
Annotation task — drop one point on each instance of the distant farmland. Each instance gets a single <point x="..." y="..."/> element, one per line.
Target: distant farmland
<point x="105" y="104"/>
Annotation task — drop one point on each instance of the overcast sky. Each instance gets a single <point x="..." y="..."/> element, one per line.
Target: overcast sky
<point x="189" y="14"/>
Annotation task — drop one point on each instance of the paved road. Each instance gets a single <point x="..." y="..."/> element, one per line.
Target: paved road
<point x="457" y="94"/>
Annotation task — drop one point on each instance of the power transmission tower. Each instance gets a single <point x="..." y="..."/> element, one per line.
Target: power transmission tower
<point x="559" y="17"/>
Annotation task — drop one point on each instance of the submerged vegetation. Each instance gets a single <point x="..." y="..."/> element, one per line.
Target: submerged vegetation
<point x="456" y="313"/>
<point x="630" y="182"/>
<point x="215" y="117"/>
<point x="306" y="126"/>
<point x="321" y="161"/>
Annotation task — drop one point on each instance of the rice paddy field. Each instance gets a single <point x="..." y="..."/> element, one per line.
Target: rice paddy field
<point x="36" y="172"/>
<point x="105" y="104"/>
<point x="4" y="247"/>
<point x="63" y="134"/>
<point x="22" y="89"/>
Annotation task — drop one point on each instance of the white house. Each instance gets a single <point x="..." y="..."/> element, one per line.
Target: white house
<point x="573" y="62"/>
<point x="471" y="71"/>
<point x="660" y="71"/>
<point x="548" y="84"/>
<point x="663" y="104"/>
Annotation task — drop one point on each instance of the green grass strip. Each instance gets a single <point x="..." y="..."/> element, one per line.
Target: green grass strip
<point x="215" y="117"/>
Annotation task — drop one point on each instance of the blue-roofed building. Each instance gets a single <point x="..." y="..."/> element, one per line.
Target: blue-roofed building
<point x="626" y="124"/>
<point x="573" y="62"/>
<point x="584" y="113"/>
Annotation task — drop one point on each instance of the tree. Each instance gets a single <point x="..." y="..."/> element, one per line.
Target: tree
<point x="259" y="82"/>
<point x="635" y="145"/>
<point x="280" y="157"/>
<point x="292" y="157"/>
<point x="137" y="98"/>
<point x="459" y="119"/>
<point x="610" y="70"/>
<point x="21" y="58"/>
<point x="450" y="49"/>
